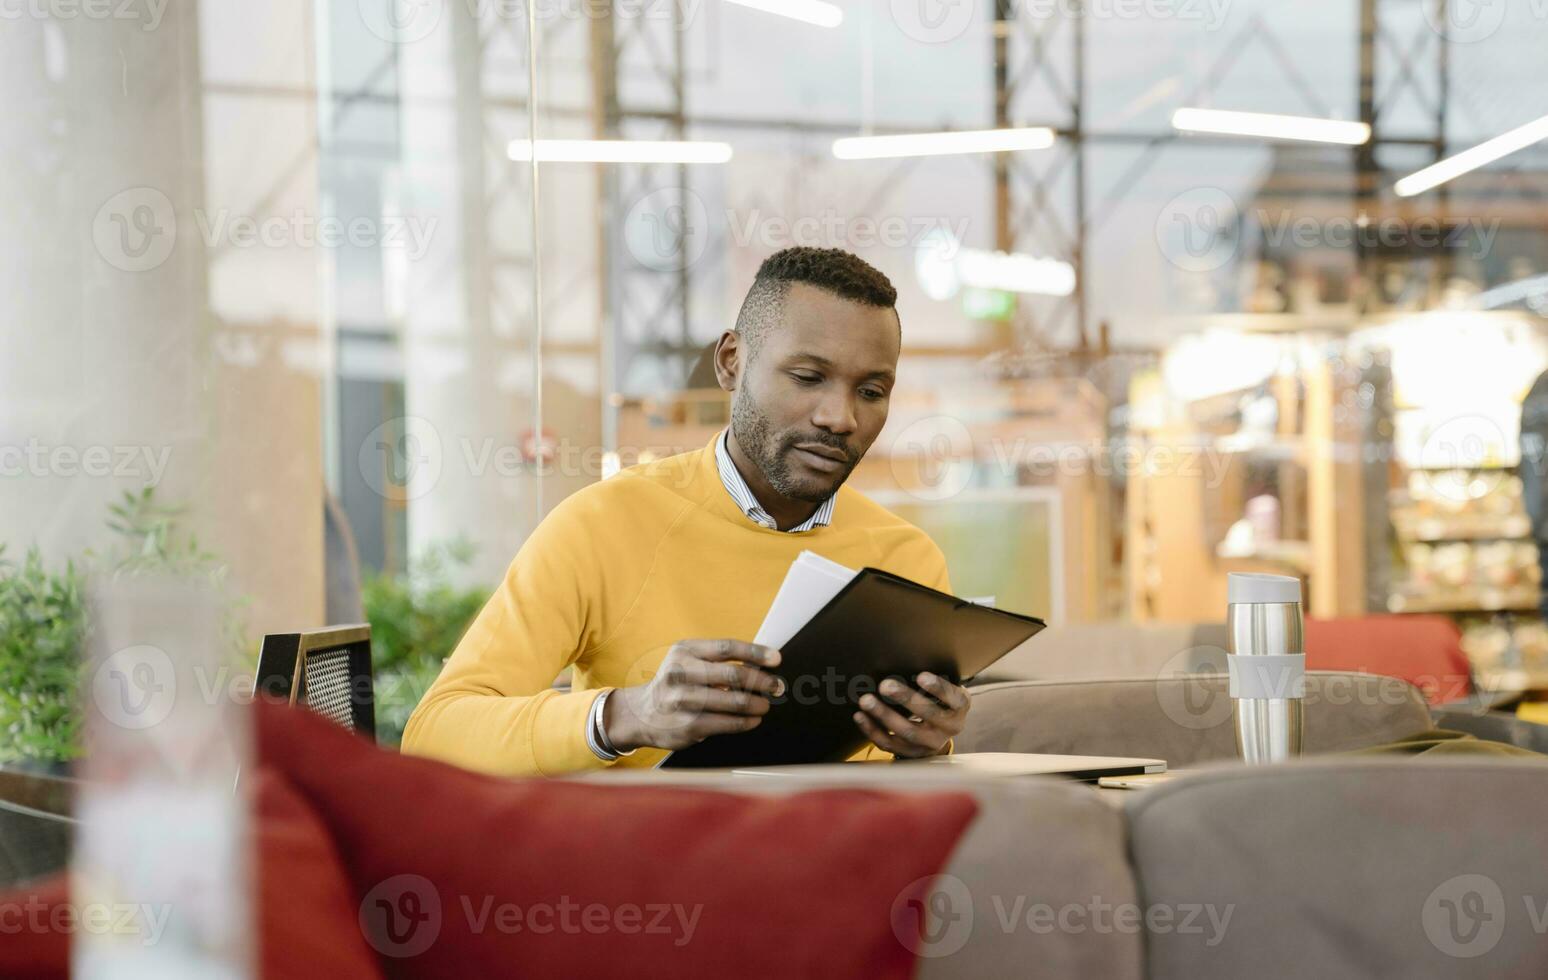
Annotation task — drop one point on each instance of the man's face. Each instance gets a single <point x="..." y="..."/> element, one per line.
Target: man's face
<point x="815" y="395"/>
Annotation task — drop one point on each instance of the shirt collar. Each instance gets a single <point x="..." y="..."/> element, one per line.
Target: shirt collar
<point x="748" y="504"/>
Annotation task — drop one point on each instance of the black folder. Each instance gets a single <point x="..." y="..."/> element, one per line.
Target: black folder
<point x="879" y="625"/>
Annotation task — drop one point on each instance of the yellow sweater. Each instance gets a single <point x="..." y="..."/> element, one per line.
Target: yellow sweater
<point x="614" y="576"/>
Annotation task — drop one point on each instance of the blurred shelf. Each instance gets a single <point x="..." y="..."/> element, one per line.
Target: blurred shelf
<point x="1461" y="527"/>
<point x="1511" y="679"/>
<point x="1457" y="467"/>
<point x="1336" y="320"/>
<point x="1297" y="554"/>
<point x="1286" y="448"/>
<point x="1516" y="598"/>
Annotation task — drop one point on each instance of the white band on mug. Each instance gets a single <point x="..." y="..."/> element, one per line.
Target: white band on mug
<point x="1281" y="675"/>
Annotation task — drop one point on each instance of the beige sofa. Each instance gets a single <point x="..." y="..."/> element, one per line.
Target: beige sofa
<point x="1323" y="868"/>
<point x="1328" y="867"/>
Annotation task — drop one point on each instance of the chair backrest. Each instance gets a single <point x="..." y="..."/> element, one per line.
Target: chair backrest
<point x="35" y="827"/>
<point x="1183" y="718"/>
<point x="326" y="670"/>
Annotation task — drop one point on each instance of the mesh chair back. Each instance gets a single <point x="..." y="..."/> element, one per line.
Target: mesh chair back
<point x="327" y="685"/>
<point x="326" y="670"/>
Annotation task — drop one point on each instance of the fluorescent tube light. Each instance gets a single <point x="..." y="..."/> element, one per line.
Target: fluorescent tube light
<point x="1469" y="160"/>
<point x="944" y="266"/>
<point x="1015" y="272"/>
<point x="1306" y="129"/>
<point x="941" y="144"/>
<point x="621" y="151"/>
<point x="807" y="11"/>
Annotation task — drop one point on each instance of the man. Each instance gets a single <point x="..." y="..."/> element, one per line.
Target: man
<point x="696" y="545"/>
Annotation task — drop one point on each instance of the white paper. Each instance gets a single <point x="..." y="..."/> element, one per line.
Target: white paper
<point x="810" y="584"/>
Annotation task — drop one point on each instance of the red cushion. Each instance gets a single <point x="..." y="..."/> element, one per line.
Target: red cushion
<point x="467" y="875"/>
<point x="307" y="911"/>
<point x="32" y="947"/>
<point x="1426" y="651"/>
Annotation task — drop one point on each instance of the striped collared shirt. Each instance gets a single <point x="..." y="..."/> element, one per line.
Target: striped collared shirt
<point x="748" y="504"/>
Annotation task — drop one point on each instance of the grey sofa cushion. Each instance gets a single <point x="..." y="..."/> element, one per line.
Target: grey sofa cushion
<point x="1494" y="726"/>
<point x="1182" y="718"/>
<point x="1349" y="868"/>
<point x="1037" y="849"/>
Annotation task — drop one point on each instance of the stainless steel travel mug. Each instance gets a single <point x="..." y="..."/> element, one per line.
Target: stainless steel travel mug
<point x="1267" y="664"/>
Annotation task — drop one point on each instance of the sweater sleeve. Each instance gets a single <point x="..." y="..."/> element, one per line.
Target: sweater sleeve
<point x="493" y="708"/>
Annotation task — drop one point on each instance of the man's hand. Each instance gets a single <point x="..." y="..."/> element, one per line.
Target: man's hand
<point x="703" y="688"/>
<point x="938" y="711"/>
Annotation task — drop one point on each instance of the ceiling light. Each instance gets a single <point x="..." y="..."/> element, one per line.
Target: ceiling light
<point x="1307" y="129"/>
<point x="1469" y="160"/>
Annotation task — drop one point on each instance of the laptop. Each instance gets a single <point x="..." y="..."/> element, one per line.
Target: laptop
<point x="1085" y="768"/>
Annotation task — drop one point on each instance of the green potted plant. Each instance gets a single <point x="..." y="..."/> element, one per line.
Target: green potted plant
<point x="416" y="620"/>
<point x="42" y="630"/>
<point x="44" y="626"/>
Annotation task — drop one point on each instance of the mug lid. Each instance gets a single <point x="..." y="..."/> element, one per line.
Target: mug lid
<point x="1242" y="587"/>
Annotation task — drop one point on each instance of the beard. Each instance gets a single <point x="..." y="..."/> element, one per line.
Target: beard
<point x="770" y="452"/>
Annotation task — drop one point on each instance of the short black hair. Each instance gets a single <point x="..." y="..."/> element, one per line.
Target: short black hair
<point x="833" y="270"/>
